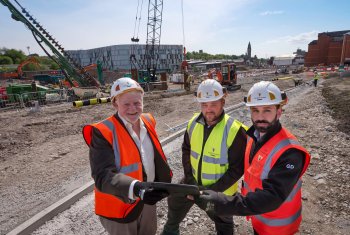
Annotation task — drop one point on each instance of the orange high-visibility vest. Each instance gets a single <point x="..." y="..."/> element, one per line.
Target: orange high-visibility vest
<point x="128" y="162"/>
<point x="287" y="218"/>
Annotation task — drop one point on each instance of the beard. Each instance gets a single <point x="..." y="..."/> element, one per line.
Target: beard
<point x="264" y="129"/>
<point x="211" y="118"/>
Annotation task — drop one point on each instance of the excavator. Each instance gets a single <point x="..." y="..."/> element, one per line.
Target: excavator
<point x="19" y="73"/>
<point x="226" y="76"/>
<point x="97" y="67"/>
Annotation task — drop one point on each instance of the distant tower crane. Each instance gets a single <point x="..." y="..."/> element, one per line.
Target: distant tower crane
<point x="154" y="25"/>
<point x="151" y="56"/>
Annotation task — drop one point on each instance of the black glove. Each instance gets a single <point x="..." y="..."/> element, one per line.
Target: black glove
<point x="211" y="198"/>
<point x="152" y="196"/>
<point x="148" y="195"/>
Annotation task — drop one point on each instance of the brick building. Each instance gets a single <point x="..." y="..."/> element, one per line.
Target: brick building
<point x="331" y="48"/>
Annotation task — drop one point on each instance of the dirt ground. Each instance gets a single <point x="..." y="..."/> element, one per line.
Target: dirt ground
<point x="43" y="156"/>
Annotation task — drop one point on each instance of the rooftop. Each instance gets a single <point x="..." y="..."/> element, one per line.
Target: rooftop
<point x="335" y="33"/>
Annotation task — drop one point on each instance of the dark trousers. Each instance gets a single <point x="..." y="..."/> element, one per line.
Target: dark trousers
<point x="315" y="82"/>
<point x="178" y="207"/>
<point x="145" y="224"/>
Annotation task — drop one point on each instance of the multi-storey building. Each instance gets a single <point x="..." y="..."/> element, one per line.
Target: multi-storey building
<point x="117" y="57"/>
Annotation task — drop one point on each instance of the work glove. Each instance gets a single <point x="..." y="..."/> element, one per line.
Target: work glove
<point x="211" y="198"/>
<point x="148" y="195"/>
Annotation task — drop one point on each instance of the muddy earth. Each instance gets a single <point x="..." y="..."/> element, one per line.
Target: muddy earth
<point x="43" y="156"/>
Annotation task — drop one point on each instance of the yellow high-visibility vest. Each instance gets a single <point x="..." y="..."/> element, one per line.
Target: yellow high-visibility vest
<point x="214" y="155"/>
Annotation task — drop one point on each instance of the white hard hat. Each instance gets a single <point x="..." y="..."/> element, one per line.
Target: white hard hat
<point x="265" y="93"/>
<point x="123" y="85"/>
<point x="209" y="90"/>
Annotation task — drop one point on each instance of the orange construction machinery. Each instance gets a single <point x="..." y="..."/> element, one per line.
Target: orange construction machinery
<point x="226" y="75"/>
<point x="19" y="72"/>
<point x="98" y="68"/>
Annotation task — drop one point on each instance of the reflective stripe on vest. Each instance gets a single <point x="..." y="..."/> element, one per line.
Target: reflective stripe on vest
<point x="291" y="194"/>
<point x="111" y="127"/>
<point x="224" y="148"/>
<point x="278" y="147"/>
<point x="215" y="160"/>
<point x="295" y="190"/>
<point x="279" y="222"/>
<point x="149" y="118"/>
<point x="122" y="169"/>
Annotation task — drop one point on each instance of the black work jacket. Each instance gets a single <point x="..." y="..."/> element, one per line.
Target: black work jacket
<point x="276" y="187"/>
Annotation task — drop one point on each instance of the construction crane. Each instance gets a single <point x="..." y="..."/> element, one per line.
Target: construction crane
<point x="154" y="25"/>
<point x="70" y="68"/>
<point x="147" y="71"/>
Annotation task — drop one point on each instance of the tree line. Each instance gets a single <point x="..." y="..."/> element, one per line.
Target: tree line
<point x="13" y="57"/>
<point x="201" y="55"/>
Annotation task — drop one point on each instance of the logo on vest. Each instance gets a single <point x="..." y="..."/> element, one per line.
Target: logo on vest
<point x="290" y="166"/>
<point x="260" y="157"/>
<point x="212" y="153"/>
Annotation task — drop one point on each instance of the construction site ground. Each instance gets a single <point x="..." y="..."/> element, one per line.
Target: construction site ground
<point x="43" y="156"/>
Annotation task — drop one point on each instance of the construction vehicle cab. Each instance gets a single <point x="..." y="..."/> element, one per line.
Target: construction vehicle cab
<point x="229" y="74"/>
<point x="226" y="76"/>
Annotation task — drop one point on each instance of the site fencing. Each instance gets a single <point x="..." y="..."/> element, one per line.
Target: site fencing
<point x="28" y="99"/>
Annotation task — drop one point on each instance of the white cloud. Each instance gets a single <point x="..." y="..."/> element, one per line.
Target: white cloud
<point x="266" y="13"/>
<point x="302" y="38"/>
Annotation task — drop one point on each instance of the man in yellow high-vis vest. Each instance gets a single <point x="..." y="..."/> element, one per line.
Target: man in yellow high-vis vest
<point x="316" y="77"/>
<point x="212" y="151"/>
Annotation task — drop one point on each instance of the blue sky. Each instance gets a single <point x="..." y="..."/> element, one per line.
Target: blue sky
<point x="274" y="27"/>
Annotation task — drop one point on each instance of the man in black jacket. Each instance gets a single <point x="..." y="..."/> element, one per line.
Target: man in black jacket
<point x="124" y="152"/>
<point x="212" y="152"/>
<point x="273" y="166"/>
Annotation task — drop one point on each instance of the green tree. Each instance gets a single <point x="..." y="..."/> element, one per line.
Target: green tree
<point x="188" y="55"/>
<point x="201" y="55"/>
<point x="49" y="62"/>
<point x="5" y="60"/>
<point x="45" y="60"/>
<point x="17" y="56"/>
<point x="54" y="66"/>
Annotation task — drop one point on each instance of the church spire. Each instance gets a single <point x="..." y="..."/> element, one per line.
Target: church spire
<point x="249" y="51"/>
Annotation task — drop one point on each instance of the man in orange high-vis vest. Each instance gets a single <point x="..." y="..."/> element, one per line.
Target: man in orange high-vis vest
<point x="274" y="163"/>
<point x="125" y="151"/>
